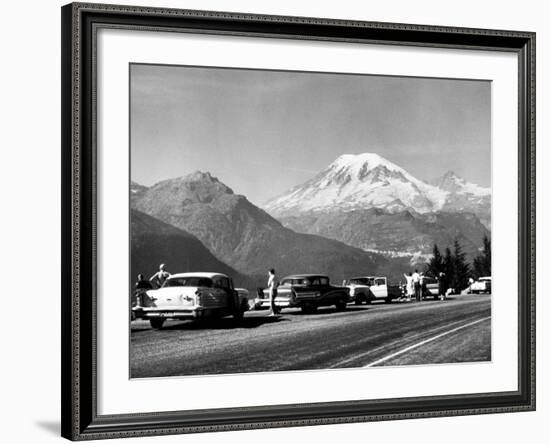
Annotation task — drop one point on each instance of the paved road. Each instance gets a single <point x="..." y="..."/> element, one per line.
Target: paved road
<point x="456" y="330"/>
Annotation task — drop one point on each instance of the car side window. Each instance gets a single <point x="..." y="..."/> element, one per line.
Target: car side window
<point x="223" y="283"/>
<point x="315" y="281"/>
<point x="379" y="282"/>
<point x="324" y="281"/>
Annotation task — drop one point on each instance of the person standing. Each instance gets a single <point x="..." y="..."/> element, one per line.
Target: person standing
<point x="409" y="286"/>
<point x="470" y="283"/>
<point x="416" y="285"/>
<point x="142" y="286"/>
<point x="272" y="285"/>
<point x="159" y="278"/>
<point x="442" y="286"/>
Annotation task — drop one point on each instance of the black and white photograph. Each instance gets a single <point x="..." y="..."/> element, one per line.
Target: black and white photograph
<point x="290" y="220"/>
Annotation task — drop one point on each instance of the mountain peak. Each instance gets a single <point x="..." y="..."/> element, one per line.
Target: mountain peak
<point x="360" y="181"/>
<point x="453" y="183"/>
<point x="359" y="161"/>
<point x="200" y="180"/>
<point x="200" y="175"/>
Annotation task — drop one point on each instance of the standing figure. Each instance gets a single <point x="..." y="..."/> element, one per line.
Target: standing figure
<point x="422" y="286"/>
<point x="272" y="285"/>
<point x="159" y="278"/>
<point x="409" y="286"/>
<point x="142" y="286"/>
<point x="470" y="283"/>
<point x="416" y="285"/>
<point x="442" y="286"/>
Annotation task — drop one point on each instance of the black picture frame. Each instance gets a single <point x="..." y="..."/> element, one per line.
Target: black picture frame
<point x="80" y="420"/>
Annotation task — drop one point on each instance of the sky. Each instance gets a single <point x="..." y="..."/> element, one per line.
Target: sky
<point x="262" y="132"/>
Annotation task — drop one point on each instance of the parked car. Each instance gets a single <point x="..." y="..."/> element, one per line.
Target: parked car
<point x="306" y="291"/>
<point x="191" y="296"/>
<point x="366" y="289"/>
<point x="430" y="287"/>
<point x="482" y="285"/>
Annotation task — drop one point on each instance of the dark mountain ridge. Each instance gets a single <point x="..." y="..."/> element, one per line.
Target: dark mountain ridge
<point x="155" y="242"/>
<point x="246" y="237"/>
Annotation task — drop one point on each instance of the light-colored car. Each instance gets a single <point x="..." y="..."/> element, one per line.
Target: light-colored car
<point x="191" y="296"/>
<point x="366" y="289"/>
<point x="482" y="285"/>
<point x="430" y="287"/>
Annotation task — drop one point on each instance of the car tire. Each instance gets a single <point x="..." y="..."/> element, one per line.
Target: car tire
<point x="359" y="299"/>
<point x="309" y="308"/>
<point x="341" y="305"/>
<point x="157" y="323"/>
<point x="239" y="314"/>
<point x="387" y="300"/>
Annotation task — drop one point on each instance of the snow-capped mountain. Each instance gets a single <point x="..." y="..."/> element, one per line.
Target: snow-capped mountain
<point x="453" y="183"/>
<point x="362" y="181"/>
<point x="465" y="196"/>
<point x="357" y="182"/>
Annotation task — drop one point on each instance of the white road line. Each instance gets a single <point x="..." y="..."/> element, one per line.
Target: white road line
<point x="419" y="344"/>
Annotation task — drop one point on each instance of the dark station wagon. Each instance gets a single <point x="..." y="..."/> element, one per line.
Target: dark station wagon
<point x="305" y="291"/>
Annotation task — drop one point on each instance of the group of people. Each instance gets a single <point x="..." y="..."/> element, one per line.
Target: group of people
<point x="416" y="288"/>
<point x="155" y="281"/>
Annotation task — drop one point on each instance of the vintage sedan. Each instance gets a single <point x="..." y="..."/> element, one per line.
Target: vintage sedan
<point x="191" y="296"/>
<point x="305" y="291"/>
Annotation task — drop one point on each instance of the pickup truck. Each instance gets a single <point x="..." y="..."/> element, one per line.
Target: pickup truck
<point x="366" y="289"/>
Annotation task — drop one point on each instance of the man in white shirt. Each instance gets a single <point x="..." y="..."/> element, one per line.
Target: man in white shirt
<point x="416" y="284"/>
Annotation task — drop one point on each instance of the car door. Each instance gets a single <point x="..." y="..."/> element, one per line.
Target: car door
<point x="379" y="288"/>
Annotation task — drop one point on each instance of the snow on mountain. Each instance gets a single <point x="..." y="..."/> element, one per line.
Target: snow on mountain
<point x="464" y="196"/>
<point x="455" y="184"/>
<point x="360" y="181"/>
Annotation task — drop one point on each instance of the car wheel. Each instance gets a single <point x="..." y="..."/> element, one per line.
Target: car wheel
<point x="388" y="300"/>
<point x="341" y="305"/>
<point x="359" y="299"/>
<point x="308" y="308"/>
<point x="157" y="323"/>
<point x="239" y="313"/>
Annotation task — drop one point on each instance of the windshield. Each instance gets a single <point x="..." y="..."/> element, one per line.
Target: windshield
<point x="361" y="281"/>
<point x="190" y="281"/>
<point x="295" y="281"/>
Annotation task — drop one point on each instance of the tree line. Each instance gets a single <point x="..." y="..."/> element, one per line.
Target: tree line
<point x="455" y="266"/>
